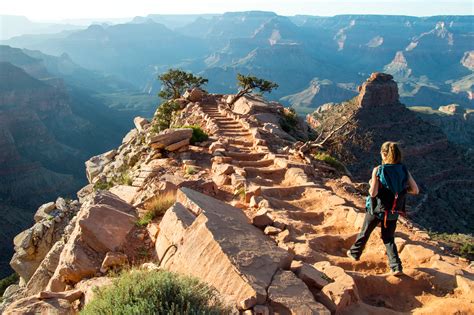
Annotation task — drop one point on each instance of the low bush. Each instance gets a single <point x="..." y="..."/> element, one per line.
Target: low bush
<point x="125" y="179"/>
<point x="103" y="185"/>
<point x="164" y="115"/>
<point x="289" y="121"/>
<point x="8" y="281"/>
<point x="198" y="134"/>
<point x="191" y="170"/>
<point x="162" y="292"/>
<point x="330" y="160"/>
<point x="157" y="207"/>
<point x="460" y="244"/>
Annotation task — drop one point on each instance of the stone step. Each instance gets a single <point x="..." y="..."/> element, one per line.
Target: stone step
<point x="264" y="171"/>
<point x="233" y="132"/>
<point x="285" y="191"/>
<point x="260" y="163"/>
<point x="240" y="156"/>
<point x="233" y="129"/>
<point x="240" y="143"/>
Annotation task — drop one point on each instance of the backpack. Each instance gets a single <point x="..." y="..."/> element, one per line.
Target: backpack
<point x="391" y="197"/>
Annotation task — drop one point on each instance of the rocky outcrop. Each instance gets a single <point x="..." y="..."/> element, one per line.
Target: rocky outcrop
<point x="33" y="245"/>
<point x="378" y="90"/>
<point x="243" y="261"/>
<point x="102" y="226"/>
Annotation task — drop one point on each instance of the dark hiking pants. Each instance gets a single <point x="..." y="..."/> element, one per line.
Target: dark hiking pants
<point x="388" y="237"/>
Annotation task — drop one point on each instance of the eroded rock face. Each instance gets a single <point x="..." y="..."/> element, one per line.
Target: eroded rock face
<point x="32" y="245"/>
<point x="378" y="90"/>
<point x="102" y="226"/>
<point x="95" y="165"/>
<point x="221" y="248"/>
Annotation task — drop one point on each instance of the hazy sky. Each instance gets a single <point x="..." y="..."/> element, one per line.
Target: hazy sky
<point x="74" y="9"/>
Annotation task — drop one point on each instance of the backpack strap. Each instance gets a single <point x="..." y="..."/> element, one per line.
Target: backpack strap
<point x="394" y="205"/>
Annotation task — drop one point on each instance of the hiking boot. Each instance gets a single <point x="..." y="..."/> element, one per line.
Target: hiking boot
<point x="349" y="254"/>
<point x="397" y="273"/>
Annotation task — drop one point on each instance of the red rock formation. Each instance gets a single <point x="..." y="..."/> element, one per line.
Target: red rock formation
<point x="378" y="90"/>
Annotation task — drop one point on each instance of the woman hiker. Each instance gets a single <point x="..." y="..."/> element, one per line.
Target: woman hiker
<point x="389" y="186"/>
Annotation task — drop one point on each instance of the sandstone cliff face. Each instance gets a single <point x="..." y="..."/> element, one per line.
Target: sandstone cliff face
<point x="265" y="226"/>
<point x="436" y="163"/>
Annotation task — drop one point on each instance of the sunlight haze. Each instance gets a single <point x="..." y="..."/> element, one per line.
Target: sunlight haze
<point x="60" y="10"/>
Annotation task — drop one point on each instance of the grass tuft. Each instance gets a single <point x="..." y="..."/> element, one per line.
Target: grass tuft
<point x="330" y="160"/>
<point x="157" y="207"/>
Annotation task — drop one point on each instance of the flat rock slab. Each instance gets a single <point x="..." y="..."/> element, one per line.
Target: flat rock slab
<point x="170" y="136"/>
<point x="416" y="254"/>
<point x="223" y="249"/>
<point x="125" y="192"/>
<point x="289" y="295"/>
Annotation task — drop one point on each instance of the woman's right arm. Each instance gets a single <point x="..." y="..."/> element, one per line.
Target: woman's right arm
<point x="374" y="183"/>
<point x="412" y="186"/>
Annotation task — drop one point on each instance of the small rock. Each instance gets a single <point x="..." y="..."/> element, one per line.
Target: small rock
<point x="177" y="146"/>
<point x="221" y="180"/>
<point x="311" y="276"/>
<point x="296" y="266"/>
<point x="112" y="260"/>
<point x="271" y="230"/>
<point x="262" y="219"/>
<point x="283" y="290"/>
<point x="252" y="191"/>
<point x="254" y="201"/>
<point x="279" y="224"/>
<point x="150" y="266"/>
<point x="140" y="123"/>
<point x="416" y="254"/>
<point x="216" y="146"/>
<point x="44" y="210"/>
<point x="284" y="236"/>
<point x="61" y="204"/>
<point x="223" y="169"/>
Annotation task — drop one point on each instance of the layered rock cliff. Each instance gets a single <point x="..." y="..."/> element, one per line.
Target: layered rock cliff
<point x="265" y="226"/>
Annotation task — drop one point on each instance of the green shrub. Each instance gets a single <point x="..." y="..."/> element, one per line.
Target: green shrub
<point x="164" y="115"/>
<point x="8" y="281"/>
<point x="190" y="170"/>
<point x="156" y="207"/>
<point x="198" y="134"/>
<point x="289" y="121"/>
<point x="103" y="185"/>
<point x="330" y="160"/>
<point x="125" y="179"/>
<point x="460" y="244"/>
<point x="150" y="292"/>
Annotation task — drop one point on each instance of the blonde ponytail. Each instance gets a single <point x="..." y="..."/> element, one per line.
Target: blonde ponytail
<point x="391" y="153"/>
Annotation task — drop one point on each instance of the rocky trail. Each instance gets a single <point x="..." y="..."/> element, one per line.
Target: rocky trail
<point x="267" y="228"/>
<point x="322" y="227"/>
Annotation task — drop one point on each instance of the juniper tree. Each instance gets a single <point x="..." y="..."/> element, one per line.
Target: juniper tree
<point x="175" y="82"/>
<point x="249" y="83"/>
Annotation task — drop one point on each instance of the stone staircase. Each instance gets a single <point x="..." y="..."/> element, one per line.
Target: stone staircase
<point x="310" y="220"/>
